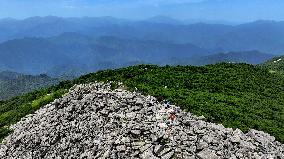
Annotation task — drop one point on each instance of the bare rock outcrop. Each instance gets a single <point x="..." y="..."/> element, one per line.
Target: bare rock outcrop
<point x="94" y="121"/>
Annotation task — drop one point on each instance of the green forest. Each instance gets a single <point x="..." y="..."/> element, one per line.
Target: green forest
<point x="13" y="84"/>
<point x="275" y="65"/>
<point x="237" y="95"/>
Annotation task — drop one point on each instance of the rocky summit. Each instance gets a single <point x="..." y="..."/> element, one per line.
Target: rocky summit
<point x="95" y="121"/>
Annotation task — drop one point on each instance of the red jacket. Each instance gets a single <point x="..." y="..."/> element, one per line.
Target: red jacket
<point x="172" y="117"/>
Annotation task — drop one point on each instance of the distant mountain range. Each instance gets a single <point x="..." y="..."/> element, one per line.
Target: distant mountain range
<point x="73" y="54"/>
<point x="13" y="84"/>
<point x="73" y="46"/>
<point x="165" y="20"/>
<point x="264" y="36"/>
<point x="56" y="55"/>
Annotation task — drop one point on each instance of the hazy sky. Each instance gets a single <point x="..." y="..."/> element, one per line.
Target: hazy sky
<point x="228" y="10"/>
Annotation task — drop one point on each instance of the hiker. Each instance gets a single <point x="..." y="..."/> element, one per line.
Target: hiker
<point x="171" y="120"/>
<point x="172" y="116"/>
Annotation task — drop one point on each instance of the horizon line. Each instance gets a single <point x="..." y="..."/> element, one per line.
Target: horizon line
<point x="182" y="21"/>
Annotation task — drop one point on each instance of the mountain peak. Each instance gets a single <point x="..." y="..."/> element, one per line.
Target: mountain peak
<point x="163" y="19"/>
<point x="121" y="124"/>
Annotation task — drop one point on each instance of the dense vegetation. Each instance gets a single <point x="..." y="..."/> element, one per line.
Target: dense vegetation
<point x="13" y="84"/>
<point x="236" y="95"/>
<point x="249" y="57"/>
<point x="275" y="65"/>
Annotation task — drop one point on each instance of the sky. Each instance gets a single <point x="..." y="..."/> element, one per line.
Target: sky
<point x="215" y="10"/>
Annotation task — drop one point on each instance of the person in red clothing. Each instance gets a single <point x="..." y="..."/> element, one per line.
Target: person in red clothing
<point x="170" y="122"/>
<point x="172" y="116"/>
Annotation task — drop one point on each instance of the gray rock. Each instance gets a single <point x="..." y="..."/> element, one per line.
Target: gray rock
<point x="164" y="151"/>
<point x="153" y="137"/>
<point x="148" y="154"/>
<point x="158" y="149"/>
<point x="136" y="132"/>
<point x="105" y="155"/>
<point x="121" y="148"/>
<point x="168" y="155"/>
<point x="207" y="154"/>
<point x="145" y="147"/>
<point x="94" y="121"/>
<point x="201" y="145"/>
<point x="125" y="140"/>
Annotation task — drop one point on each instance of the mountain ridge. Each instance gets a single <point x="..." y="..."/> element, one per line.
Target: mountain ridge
<point x="250" y="57"/>
<point x="41" y="55"/>
<point x="264" y="36"/>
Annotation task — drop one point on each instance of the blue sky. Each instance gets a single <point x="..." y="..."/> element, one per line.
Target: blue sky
<point x="227" y="10"/>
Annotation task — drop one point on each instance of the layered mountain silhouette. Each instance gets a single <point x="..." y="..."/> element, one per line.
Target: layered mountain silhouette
<point x="72" y="54"/>
<point x="264" y="36"/>
<point x="73" y="50"/>
<point x="73" y="46"/>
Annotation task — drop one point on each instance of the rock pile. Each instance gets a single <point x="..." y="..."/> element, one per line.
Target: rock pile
<point x="93" y="121"/>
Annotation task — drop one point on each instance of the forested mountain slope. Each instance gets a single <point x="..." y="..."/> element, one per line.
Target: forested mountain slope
<point x="236" y="95"/>
<point x="275" y="65"/>
<point x="14" y="84"/>
<point x="248" y="57"/>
